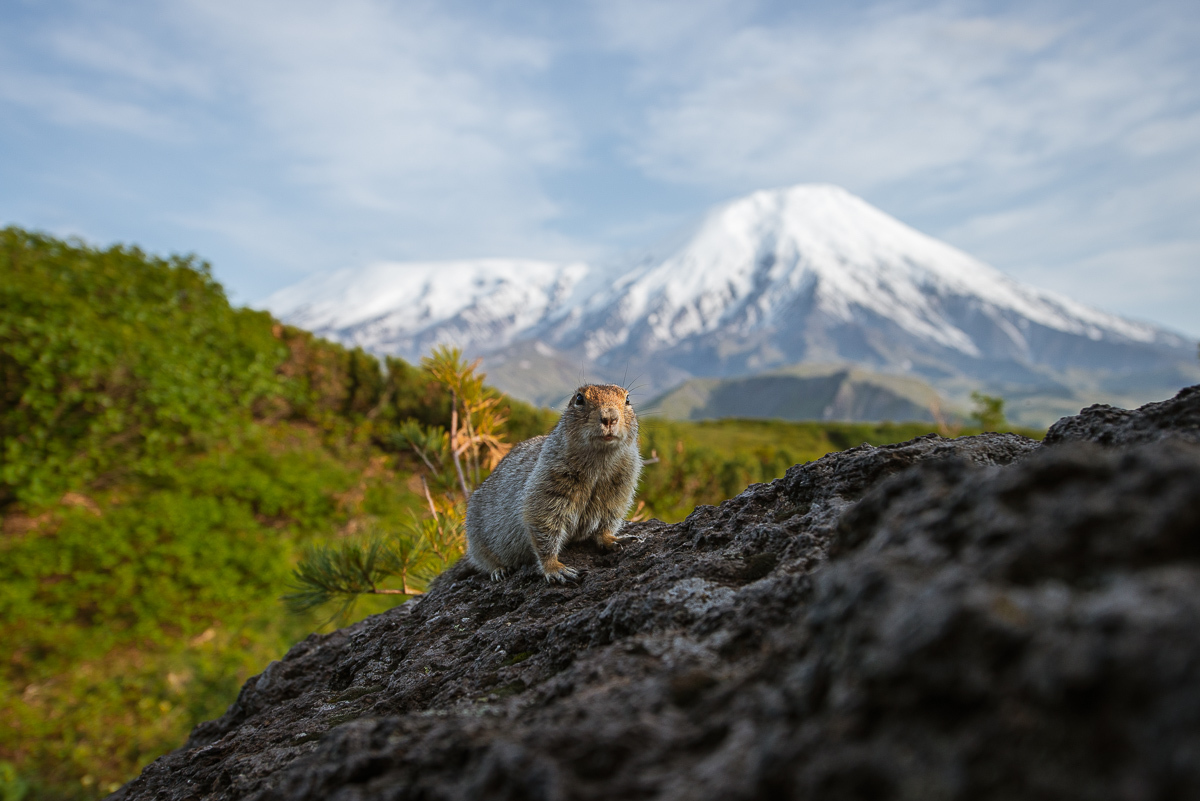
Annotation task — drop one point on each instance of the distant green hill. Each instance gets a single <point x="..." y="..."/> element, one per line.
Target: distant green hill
<point x="805" y="392"/>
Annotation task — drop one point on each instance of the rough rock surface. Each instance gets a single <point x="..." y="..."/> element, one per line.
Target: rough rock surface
<point x="1177" y="418"/>
<point x="976" y="618"/>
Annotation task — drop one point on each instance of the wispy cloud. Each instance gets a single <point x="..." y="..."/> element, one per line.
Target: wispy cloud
<point x="112" y="51"/>
<point x="417" y="120"/>
<point x="1044" y="137"/>
<point x="890" y="94"/>
<point x="1039" y="136"/>
<point x="389" y="108"/>
<point x="81" y="108"/>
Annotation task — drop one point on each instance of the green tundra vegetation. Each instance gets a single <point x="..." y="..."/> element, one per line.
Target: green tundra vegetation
<point x="167" y="461"/>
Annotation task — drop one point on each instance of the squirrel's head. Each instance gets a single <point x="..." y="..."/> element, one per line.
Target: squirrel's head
<point x="602" y="413"/>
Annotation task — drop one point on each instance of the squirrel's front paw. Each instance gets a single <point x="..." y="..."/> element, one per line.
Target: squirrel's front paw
<point x="498" y="573"/>
<point x="557" y="571"/>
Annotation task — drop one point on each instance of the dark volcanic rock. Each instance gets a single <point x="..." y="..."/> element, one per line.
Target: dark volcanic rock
<point x="943" y="619"/>
<point x="1177" y="418"/>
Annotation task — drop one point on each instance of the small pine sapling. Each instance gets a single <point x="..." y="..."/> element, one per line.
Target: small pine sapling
<point x="454" y="461"/>
<point x="989" y="411"/>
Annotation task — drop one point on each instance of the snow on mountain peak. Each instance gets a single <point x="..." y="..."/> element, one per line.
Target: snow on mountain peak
<point x="751" y="258"/>
<point x="807" y="264"/>
<point x="418" y="294"/>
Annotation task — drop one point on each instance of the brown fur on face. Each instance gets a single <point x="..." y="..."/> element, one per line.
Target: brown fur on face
<point x="600" y="412"/>
<point x="577" y="482"/>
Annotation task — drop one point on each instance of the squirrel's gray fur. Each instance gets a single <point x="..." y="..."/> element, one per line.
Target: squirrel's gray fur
<point x="575" y="483"/>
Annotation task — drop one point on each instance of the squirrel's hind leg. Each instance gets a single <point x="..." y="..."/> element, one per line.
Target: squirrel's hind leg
<point x="483" y="559"/>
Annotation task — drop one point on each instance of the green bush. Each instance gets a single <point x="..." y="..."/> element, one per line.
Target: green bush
<point x="102" y="603"/>
<point x="165" y="459"/>
<point x="113" y="361"/>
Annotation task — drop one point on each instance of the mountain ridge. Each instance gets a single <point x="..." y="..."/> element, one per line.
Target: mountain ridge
<point x="829" y="392"/>
<point x="809" y="273"/>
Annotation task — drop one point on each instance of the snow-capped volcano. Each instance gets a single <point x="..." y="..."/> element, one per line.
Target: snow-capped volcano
<point x="754" y="261"/>
<point x="805" y="273"/>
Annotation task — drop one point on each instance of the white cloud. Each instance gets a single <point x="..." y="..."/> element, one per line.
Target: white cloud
<point x="890" y="97"/>
<point x="293" y="136"/>
<point x="116" y="51"/>
<point x="392" y="109"/>
<point x="668" y="29"/>
<point x="99" y="75"/>
<point x="79" y="108"/>
<point x="1045" y="138"/>
<point x="401" y="123"/>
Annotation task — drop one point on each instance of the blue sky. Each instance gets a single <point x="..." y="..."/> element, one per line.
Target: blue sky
<point x="1058" y="141"/>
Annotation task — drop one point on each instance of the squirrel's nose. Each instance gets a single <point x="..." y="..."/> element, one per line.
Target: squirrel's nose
<point x="608" y="417"/>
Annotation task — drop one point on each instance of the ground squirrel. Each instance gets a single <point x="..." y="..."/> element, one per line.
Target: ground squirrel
<point x="575" y="483"/>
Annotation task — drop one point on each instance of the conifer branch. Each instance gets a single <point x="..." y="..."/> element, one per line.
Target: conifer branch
<point x="344" y="571"/>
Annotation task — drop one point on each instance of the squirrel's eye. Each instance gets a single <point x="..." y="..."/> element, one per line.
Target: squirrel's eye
<point x="628" y="402"/>
<point x="579" y="399"/>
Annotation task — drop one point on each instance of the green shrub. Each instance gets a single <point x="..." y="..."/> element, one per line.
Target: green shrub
<point x="165" y="459"/>
<point x="113" y="361"/>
